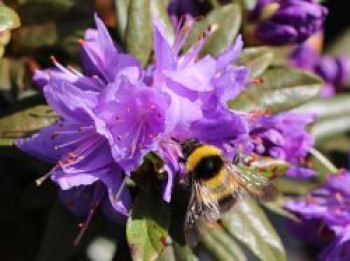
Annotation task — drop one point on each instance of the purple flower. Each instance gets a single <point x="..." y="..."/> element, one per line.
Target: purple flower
<point x="82" y="156"/>
<point x="293" y="22"/>
<point x="194" y="85"/>
<point x="132" y="117"/>
<point x="199" y="89"/>
<point x="284" y="136"/>
<point x="329" y="205"/>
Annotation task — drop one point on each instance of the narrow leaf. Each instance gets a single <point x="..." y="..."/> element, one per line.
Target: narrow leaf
<point x="332" y="116"/>
<point x="225" y="21"/>
<point x="121" y="8"/>
<point x="258" y="59"/>
<point x="147" y="227"/>
<point x="25" y="122"/>
<point x="184" y="253"/>
<point x="220" y="245"/>
<point x="248" y="223"/>
<point x="138" y="33"/>
<point x="281" y="89"/>
<point x="8" y="18"/>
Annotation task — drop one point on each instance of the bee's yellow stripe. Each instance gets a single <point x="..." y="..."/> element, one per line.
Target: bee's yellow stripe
<point x="199" y="153"/>
<point x="219" y="185"/>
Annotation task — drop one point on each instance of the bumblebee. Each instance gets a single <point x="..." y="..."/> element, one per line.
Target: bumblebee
<point x="216" y="184"/>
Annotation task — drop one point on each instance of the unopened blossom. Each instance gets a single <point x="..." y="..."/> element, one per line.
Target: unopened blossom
<point x="283" y="136"/>
<point x="334" y="70"/>
<point x="290" y="21"/>
<point x="330" y="206"/>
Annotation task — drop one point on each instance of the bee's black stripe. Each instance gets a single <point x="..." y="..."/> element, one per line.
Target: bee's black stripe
<point x="208" y="167"/>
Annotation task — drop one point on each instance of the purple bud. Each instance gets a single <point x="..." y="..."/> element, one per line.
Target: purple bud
<point x="304" y="57"/>
<point x="334" y="70"/>
<point x="293" y="22"/>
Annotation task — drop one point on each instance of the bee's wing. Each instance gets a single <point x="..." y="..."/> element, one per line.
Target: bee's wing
<point x="247" y="182"/>
<point x="202" y="205"/>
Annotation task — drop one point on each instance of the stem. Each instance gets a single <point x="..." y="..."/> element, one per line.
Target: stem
<point x="324" y="161"/>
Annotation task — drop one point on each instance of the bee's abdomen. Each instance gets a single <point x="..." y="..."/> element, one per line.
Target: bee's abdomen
<point x="208" y="167"/>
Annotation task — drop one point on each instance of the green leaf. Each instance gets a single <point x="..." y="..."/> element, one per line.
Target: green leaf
<point x="281" y="89"/>
<point x="220" y="245"/>
<point x="290" y="186"/>
<point x="277" y="207"/>
<point x="138" y="33"/>
<point x="258" y="59"/>
<point x="167" y="254"/>
<point x="8" y="18"/>
<point x="248" y="223"/>
<point x="332" y="116"/>
<point x="225" y="21"/>
<point x="147" y="227"/>
<point x="24" y="123"/>
<point x="121" y="8"/>
<point x="246" y="4"/>
<point x="183" y="253"/>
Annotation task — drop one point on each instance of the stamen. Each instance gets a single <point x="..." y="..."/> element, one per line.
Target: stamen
<point x="41" y="180"/>
<point x="120" y="190"/>
<point x="83" y="226"/>
<point x="79" y="139"/>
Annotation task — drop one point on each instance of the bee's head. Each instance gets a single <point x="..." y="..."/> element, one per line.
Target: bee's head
<point x="200" y="153"/>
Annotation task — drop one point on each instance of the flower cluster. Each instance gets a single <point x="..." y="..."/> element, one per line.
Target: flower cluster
<point x="287" y="21"/>
<point x="116" y="112"/>
<point x="329" y="206"/>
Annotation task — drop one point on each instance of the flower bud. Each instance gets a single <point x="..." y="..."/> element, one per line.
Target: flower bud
<point x="292" y="22"/>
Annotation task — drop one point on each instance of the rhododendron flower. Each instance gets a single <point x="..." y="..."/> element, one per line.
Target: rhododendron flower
<point x="329" y="205"/>
<point x="284" y="136"/>
<point x="81" y="154"/>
